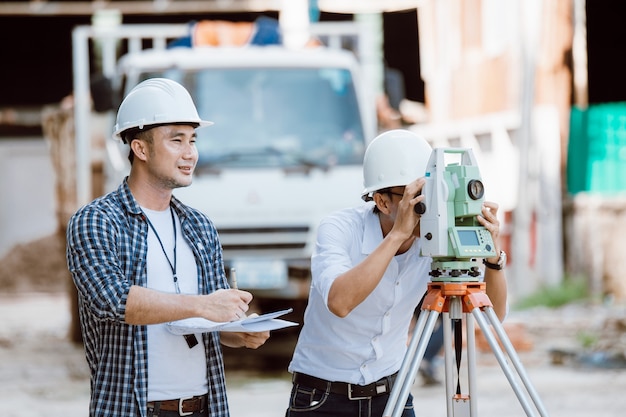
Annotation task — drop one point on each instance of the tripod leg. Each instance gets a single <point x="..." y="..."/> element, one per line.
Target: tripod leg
<point x="410" y="365"/>
<point x="458" y="404"/>
<point x="403" y="373"/>
<point x="508" y="346"/>
<point x="471" y="364"/>
<point x="479" y="315"/>
<point x="447" y="349"/>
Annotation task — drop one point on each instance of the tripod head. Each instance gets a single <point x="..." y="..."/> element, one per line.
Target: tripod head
<point x="452" y="236"/>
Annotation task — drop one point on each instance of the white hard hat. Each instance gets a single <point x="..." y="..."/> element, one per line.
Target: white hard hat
<point x="156" y="101"/>
<point x="394" y="158"/>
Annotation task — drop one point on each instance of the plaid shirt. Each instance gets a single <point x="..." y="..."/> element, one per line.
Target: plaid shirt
<point x="106" y="255"/>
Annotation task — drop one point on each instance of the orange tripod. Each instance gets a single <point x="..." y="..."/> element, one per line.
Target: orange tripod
<point x="460" y="300"/>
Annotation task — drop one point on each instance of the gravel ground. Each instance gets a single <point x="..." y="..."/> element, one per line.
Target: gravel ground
<point x="41" y="373"/>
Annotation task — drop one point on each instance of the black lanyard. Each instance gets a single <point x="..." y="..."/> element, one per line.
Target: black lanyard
<point x="172" y="264"/>
<point x="189" y="338"/>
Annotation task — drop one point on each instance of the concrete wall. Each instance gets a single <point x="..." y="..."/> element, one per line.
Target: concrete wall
<point x="595" y="237"/>
<point x="27" y="200"/>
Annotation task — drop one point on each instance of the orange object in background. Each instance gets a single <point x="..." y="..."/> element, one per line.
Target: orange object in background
<point x="222" y="33"/>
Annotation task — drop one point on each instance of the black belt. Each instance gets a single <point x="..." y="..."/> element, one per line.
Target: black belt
<point x="184" y="406"/>
<point x="352" y="391"/>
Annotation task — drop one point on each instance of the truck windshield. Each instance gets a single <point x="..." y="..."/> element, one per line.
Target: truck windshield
<point x="275" y="117"/>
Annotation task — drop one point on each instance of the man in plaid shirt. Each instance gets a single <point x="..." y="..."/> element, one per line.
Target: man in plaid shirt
<point x="140" y="258"/>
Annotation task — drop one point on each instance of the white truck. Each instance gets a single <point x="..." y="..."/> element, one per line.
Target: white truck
<point x="291" y="127"/>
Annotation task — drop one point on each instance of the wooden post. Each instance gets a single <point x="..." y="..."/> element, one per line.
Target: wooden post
<point x="58" y="128"/>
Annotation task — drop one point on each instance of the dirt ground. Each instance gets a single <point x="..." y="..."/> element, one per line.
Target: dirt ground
<point x="43" y="373"/>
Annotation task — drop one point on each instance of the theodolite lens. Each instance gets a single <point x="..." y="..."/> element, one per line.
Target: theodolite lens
<point x="475" y="189"/>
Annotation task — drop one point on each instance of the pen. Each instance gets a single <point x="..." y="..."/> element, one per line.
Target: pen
<point x="233" y="278"/>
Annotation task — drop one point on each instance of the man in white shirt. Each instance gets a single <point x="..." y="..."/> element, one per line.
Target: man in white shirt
<point x="367" y="278"/>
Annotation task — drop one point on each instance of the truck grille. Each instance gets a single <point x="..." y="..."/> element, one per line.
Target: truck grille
<point x="263" y="238"/>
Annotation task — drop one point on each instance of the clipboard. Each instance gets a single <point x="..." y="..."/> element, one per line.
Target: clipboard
<point x="262" y="323"/>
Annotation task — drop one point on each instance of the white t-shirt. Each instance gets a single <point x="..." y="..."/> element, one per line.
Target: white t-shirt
<point x="174" y="370"/>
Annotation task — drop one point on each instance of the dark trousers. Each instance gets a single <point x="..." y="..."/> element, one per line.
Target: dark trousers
<point x="311" y="402"/>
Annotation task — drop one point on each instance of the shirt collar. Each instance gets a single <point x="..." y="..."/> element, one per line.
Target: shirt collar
<point x="131" y="205"/>
<point x="372" y="234"/>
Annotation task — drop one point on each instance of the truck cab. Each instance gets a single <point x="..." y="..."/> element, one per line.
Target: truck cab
<point x="286" y="149"/>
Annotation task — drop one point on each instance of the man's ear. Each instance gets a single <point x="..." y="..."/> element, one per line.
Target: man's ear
<point x="139" y="148"/>
<point x="382" y="202"/>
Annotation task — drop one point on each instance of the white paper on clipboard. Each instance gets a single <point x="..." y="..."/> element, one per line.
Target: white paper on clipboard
<point x="262" y="323"/>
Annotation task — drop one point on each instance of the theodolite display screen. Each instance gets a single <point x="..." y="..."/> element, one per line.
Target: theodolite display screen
<point x="468" y="238"/>
<point x="471" y="242"/>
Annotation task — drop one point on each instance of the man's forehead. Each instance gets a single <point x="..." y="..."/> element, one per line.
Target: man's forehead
<point x="176" y="129"/>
